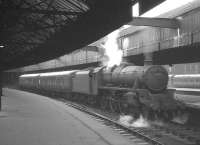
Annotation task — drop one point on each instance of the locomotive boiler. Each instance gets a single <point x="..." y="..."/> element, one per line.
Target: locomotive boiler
<point x="126" y="88"/>
<point x="153" y="78"/>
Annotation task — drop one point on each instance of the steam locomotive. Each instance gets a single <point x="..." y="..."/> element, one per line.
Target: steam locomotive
<point x="126" y="89"/>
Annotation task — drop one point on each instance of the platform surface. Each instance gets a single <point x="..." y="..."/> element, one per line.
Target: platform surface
<point x="189" y="96"/>
<point x="30" y="119"/>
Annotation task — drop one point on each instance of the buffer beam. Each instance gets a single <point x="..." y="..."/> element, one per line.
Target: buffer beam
<point x="155" y="22"/>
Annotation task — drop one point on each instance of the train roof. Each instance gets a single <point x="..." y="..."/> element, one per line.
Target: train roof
<point x="57" y="73"/>
<point x="29" y="75"/>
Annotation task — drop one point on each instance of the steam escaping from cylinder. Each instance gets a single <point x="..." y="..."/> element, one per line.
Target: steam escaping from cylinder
<point x="129" y="121"/>
<point x="113" y="55"/>
<point x="140" y="122"/>
<point x="126" y="120"/>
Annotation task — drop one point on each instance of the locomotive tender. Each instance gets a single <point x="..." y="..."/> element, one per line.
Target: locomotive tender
<point x="126" y="88"/>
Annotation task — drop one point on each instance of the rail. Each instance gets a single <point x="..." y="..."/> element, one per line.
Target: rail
<point x="118" y="126"/>
<point x="152" y="135"/>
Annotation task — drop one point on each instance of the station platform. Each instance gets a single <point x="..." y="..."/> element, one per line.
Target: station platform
<point x="30" y="119"/>
<point x="189" y="96"/>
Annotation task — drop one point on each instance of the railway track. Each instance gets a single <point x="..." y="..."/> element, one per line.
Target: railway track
<point x="165" y="134"/>
<point x="134" y="135"/>
<point x="187" y="133"/>
<point x="171" y="134"/>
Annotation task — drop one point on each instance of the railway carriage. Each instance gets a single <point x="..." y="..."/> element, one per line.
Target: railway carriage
<point x="29" y="81"/>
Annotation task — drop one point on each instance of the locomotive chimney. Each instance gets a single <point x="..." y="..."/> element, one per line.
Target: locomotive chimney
<point x="148" y="58"/>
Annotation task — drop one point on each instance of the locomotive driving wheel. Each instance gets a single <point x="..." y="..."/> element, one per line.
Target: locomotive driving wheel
<point x="91" y="100"/>
<point x="114" y="105"/>
<point x="104" y="103"/>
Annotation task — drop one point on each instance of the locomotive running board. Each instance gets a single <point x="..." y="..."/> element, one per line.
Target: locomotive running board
<point x="116" y="88"/>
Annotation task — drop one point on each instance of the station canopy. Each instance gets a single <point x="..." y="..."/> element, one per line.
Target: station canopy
<point x="33" y="31"/>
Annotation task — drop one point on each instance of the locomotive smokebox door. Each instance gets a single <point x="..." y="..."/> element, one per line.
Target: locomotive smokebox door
<point x="155" y="78"/>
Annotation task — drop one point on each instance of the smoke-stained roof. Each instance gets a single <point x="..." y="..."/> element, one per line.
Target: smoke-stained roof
<point x="33" y="31"/>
